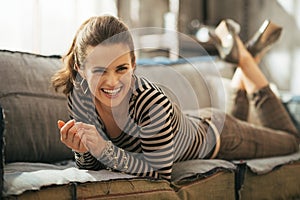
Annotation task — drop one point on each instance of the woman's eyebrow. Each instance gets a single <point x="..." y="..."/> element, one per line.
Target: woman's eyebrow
<point x="104" y="68"/>
<point x="98" y="68"/>
<point x="121" y="65"/>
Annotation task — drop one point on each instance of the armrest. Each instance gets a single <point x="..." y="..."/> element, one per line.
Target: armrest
<point x="2" y="149"/>
<point x="292" y="104"/>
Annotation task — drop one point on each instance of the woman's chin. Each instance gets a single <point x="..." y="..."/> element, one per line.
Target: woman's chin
<point x="111" y="100"/>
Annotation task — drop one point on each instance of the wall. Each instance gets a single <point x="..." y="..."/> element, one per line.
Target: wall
<point x="280" y="64"/>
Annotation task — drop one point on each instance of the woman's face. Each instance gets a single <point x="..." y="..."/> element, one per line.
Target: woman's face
<point x="108" y="71"/>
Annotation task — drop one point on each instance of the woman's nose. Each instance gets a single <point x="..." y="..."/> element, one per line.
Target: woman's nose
<point x="112" y="79"/>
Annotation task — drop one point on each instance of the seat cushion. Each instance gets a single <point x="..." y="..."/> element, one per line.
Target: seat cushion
<point x="282" y="183"/>
<point x="114" y="189"/>
<point x="31" y="108"/>
<point x="217" y="185"/>
<point x="63" y="181"/>
<point x="208" y="179"/>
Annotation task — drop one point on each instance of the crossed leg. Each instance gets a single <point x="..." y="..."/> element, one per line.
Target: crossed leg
<point x="242" y="140"/>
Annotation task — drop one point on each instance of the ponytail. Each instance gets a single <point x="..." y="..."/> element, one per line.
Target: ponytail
<point x="64" y="78"/>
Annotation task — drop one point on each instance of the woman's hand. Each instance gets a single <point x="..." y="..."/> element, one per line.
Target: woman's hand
<point x="69" y="136"/>
<point x="82" y="137"/>
<point x="90" y="138"/>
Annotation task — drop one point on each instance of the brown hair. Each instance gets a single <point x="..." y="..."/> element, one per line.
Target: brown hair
<point x="94" y="31"/>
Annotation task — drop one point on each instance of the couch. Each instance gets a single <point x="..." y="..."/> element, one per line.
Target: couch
<point x="36" y="165"/>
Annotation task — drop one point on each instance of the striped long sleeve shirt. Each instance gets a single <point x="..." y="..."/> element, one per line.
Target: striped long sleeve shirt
<point x="157" y="134"/>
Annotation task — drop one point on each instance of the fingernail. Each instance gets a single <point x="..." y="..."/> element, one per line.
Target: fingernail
<point x="60" y="123"/>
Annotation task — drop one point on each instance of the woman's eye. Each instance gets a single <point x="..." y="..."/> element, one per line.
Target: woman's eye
<point x="98" y="71"/>
<point x="122" y="69"/>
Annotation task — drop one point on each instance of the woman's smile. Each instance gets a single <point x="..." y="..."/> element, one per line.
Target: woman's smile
<point x="112" y="93"/>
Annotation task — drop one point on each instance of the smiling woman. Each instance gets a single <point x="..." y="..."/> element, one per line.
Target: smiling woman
<point x="124" y="122"/>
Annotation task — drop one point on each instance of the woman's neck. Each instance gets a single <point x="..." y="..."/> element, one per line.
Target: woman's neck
<point x="114" y="119"/>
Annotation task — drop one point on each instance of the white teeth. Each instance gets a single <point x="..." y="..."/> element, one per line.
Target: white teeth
<point x="112" y="92"/>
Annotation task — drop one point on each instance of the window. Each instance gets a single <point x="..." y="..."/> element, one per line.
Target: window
<point x="289" y="57"/>
<point x="46" y="27"/>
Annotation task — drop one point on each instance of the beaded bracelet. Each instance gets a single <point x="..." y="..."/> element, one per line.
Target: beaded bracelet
<point x="112" y="156"/>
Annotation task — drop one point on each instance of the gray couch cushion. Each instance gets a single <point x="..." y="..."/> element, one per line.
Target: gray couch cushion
<point x="31" y="108"/>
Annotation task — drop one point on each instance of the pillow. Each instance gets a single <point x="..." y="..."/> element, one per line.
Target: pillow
<point x="31" y="108"/>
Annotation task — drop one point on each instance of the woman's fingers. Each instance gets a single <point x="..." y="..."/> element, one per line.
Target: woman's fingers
<point x="78" y="145"/>
<point x="91" y="139"/>
<point x="69" y="135"/>
<point x="60" y="124"/>
<point x="80" y="125"/>
<point x="65" y="129"/>
<point x="80" y="133"/>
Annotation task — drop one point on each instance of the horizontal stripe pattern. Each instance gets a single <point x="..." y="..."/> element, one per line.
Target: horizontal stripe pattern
<point x="156" y="134"/>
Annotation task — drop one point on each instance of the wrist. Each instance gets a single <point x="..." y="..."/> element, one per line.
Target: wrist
<point x="113" y="158"/>
<point x="80" y="152"/>
<point x="106" y="149"/>
<point x="80" y="156"/>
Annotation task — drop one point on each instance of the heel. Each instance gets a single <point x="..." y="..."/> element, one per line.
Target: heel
<point x="224" y="38"/>
<point x="262" y="40"/>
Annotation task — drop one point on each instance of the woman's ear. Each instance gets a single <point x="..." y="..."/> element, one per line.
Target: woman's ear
<point x="76" y="68"/>
<point x="133" y="66"/>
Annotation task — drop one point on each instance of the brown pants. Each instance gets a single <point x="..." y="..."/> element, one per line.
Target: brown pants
<point x="276" y="135"/>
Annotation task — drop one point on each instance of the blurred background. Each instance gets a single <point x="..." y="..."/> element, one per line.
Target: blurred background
<point x="48" y="27"/>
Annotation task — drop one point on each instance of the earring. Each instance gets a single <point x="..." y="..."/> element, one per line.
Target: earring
<point x="84" y="86"/>
<point x="76" y="84"/>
